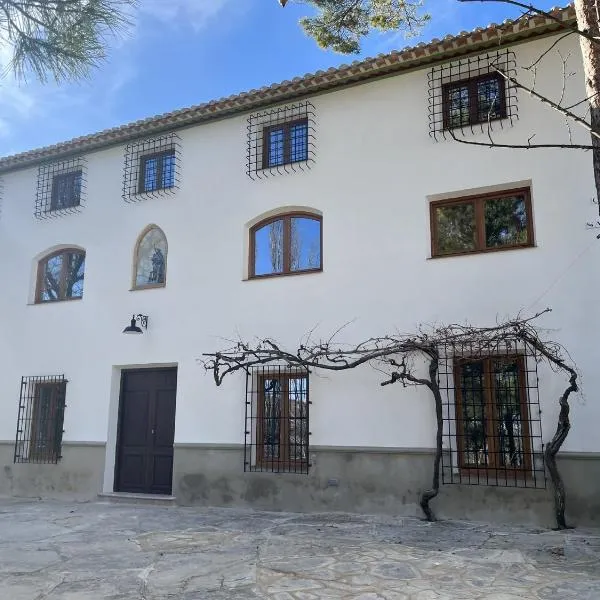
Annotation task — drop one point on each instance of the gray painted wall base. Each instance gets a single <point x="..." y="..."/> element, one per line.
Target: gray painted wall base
<point x="387" y="481"/>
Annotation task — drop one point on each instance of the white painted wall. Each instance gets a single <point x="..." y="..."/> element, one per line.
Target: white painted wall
<point x="375" y="173"/>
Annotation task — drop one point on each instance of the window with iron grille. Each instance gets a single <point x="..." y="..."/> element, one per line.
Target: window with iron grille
<point x="60" y="187"/>
<point x="40" y="420"/>
<point x="472" y="94"/>
<point x="277" y="424"/>
<point x="481" y="223"/>
<point x="492" y="421"/>
<point x="281" y="140"/>
<point x="152" y="167"/>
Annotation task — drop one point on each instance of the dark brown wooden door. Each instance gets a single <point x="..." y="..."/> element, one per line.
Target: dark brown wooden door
<point x="146" y="431"/>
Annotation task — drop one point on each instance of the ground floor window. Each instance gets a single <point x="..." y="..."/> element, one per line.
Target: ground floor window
<point x="40" y="420"/>
<point x="277" y="423"/>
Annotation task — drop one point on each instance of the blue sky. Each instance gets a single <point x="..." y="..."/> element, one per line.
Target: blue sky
<point x="185" y="52"/>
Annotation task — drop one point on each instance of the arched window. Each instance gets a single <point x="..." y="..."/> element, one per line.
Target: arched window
<point x="150" y="259"/>
<point x="286" y="244"/>
<point x="60" y="276"/>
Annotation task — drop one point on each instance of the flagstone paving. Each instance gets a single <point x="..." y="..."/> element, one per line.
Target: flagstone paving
<point x="103" y="551"/>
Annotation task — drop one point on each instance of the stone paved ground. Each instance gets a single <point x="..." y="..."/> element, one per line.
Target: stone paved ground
<point x="101" y="551"/>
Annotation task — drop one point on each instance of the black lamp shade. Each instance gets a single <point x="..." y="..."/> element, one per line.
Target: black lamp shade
<point x="132" y="328"/>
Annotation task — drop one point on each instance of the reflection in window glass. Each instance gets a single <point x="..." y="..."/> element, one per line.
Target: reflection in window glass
<point x="168" y="172"/>
<point x="276" y="147"/>
<point x="474" y="441"/>
<point x="298" y="418"/>
<point x="151" y="260"/>
<point x="268" y="249"/>
<point x="488" y="99"/>
<point x="157" y="171"/>
<point x="458" y="106"/>
<point x="271" y="419"/>
<point x="66" y="190"/>
<point x="505" y="222"/>
<point x="150" y="174"/>
<point x="305" y="252"/>
<point x="62" y="276"/>
<point x="298" y="142"/>
<point x="455" y="225"/>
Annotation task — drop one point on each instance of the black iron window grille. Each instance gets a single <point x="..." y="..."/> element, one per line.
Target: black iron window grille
<point x="61" y="187"/>
<point x="281" y="140"/>
<point x="491" y="413"/>
<point x="276" y="438"/>
<point x="152" y="167"/>
<point x="471" y="94"/>
<point x="40" y="420"/>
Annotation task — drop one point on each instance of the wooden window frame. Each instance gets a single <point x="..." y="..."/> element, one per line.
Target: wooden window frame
<point x="58" y="391"/>
<point x="287" y="142"/>
<point x="478" y="201"/>
<point x="284" y="462"/>
<point x="490" y="407"/>
<point x="136" y="253"/>
<point x="159" y="170"/>
<point x="471" y="84"/>
<point x="70" y="177"/>
<point x="63" y="276"/>
<point x="287" y="236"/>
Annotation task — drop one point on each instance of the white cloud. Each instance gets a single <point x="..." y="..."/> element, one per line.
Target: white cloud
<point x="194" y="12"/>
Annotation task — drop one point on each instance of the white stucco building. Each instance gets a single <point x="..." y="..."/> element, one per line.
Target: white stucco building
<point x="349" y="180"/>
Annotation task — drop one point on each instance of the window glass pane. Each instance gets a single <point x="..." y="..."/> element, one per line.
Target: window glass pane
<point x="66" y="190"/>
<point x="472" y="418"/>
<point x="455" y="228"/>
<point x="271" y="421"/>
<point x="51" y="278"/>
<point x="275" y="148"/>
<point x="305" y="251"/>
<point x="488" y="99"/>
<point x="458" y="106"/>
<point x="150" y="178"/>
<point x="298" y="142"/>
<point x="505" y="221"/>
<point x="268" y="249"/>
<point x="168" y="171"/>
<point x="509" y="414"/>
<point x="75" y="275"/>
<point x="298" y="419"/>
<point x="151" y="259"/>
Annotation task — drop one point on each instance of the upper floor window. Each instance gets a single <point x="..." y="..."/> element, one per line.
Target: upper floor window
<point x="492" y="416"/>
<point x="496" y="221"/>
<point x="285" y="143"/>
<point x="66" y="190"/>
<point x="60" y="276"/>
<point x="286" y="244"/>
<point x="150" y="259"/>
<point x="61" y="187"/>
<point x="476" y="100"/>
<point x="157" y="171"/>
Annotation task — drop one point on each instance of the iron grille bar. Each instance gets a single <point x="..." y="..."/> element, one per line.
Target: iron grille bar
<point x="276" y="435"/>
<point x="152" y="168"/>
<point x="491" y="415"/>
<point x="40" y="419"/>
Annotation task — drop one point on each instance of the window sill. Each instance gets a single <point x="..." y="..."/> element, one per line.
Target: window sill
<point x="278" y="275"/>
<point x="141" y="288"/>
<point x="61" y="301"/>
<point x="485" y="251"/>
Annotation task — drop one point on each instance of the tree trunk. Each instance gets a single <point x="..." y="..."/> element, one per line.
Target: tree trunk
<point x="588" y="19"/>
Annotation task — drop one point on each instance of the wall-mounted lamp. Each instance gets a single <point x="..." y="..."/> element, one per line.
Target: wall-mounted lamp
<point x="133" y="328"/>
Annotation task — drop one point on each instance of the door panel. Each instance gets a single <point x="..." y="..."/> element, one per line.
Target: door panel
<point x="146" y="431"/>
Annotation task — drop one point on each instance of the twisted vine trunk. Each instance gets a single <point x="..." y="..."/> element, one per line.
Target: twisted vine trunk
<point x="562" y="429"/>
<point x="588" y="20"/>
<point x="429" y="495"/>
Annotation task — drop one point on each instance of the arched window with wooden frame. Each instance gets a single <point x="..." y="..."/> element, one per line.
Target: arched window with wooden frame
<point x="60" y="276"/>
<point x="286" y="244"/>
<point x="150" y="259"/>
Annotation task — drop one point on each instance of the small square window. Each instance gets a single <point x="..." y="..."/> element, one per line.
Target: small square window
<point x="471" y="101"/>
<point x="482" y="223"/>
<point x="157" y="171"/>
<point x="285" y="143"/>
<point x="66" y="190"/>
